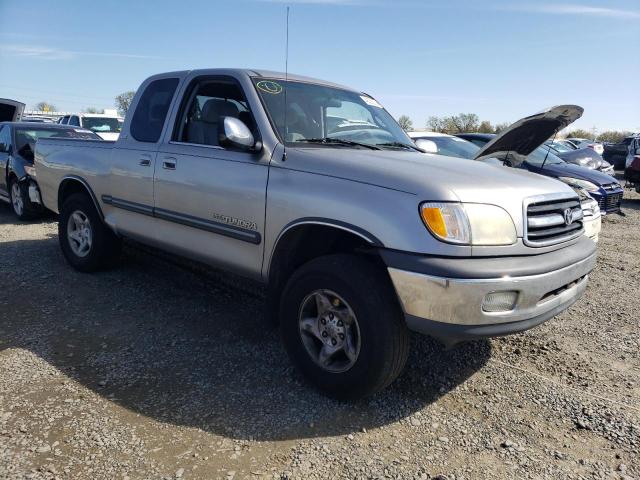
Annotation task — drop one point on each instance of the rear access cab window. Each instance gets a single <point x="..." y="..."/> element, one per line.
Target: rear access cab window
<point x="151" y="111"/>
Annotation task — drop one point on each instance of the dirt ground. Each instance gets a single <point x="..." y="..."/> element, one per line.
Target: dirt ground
<point x="153" y="370"/>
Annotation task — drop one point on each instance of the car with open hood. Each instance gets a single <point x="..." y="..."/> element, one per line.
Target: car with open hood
<point x="519" y="146"/>
<point x="10" y="110"/>
<point x="450" y="145"/>
<point x="315" y="190"/>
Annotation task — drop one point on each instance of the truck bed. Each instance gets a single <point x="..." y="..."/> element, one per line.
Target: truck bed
<point x="57" y="158"/>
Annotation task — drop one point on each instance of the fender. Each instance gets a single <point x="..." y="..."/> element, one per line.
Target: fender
<point x="75" y="178"/>
<point x="370" y="238"/>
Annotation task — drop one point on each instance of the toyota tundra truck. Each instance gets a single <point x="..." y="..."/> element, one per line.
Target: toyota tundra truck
<point x="314" y="189"/>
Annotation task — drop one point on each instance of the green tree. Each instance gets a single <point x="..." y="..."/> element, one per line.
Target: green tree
<point x="579" y="133"/>
<point x="463" y="122"/>
<point x="406" y="123"/>
<point x="93" y="110"/>
<point x="500" y="127"/>
<point x="123" y="101"/>
<point x="613" y="136"/>
<point x="436" y="124"/>
<point x="45" y="107"/>
<point x="485" y="127"/>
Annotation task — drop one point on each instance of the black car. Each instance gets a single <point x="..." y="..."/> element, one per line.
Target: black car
<point x="602" y="187"/>
<point x="17" y="146"/>
<point x="616" y="153"/>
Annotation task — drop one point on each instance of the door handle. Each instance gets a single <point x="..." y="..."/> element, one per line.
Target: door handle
<point x="145" y="160"/>
<point x="169" y="163"/>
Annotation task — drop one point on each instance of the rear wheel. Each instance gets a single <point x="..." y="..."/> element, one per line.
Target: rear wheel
<point x="86" y="242"/>
<point x="342" y="326"/>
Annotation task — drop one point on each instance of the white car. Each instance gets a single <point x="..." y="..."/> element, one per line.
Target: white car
<point x="104" y="125"/>
<point x="598" y="147"/>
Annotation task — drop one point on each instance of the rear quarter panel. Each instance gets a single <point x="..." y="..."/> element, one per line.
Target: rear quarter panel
<point x="58" y="159"/>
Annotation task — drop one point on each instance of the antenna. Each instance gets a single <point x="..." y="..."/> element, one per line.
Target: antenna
<point x="286" y="83"/>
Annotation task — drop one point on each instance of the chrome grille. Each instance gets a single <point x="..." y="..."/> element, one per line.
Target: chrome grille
<point x="553" y="221"/>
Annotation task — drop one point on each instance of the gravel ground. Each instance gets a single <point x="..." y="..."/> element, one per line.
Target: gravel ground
<point x="152" y="370"/>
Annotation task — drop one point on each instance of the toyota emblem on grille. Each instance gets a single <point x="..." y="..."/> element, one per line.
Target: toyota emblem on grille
<point x="568" y="216"/>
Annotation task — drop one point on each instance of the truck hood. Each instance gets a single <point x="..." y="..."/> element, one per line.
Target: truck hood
<point x="524" y="136"/>
<point x="10" y="110"/>
<point x="428" y="176"/>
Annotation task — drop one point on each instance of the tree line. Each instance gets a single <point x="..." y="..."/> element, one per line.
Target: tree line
<point x="471" y="123"/>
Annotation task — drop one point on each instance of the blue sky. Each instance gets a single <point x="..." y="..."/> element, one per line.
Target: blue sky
<point x="499" y="59"/>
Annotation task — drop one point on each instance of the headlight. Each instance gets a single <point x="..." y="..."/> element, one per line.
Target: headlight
<point x="447" y="221"/>
<point x="590" y="187"/>
<point x="30" y="170"/>
<point x="469" y="223"/>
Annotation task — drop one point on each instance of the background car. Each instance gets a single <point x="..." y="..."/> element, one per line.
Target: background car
<point x="585" y="157"/>
<point x="602" y="187"/>
<point x="18" y="184"/>
<point x="586" y="143"/>
<point x="105" y="125"/>
<point x="616" y="153"/>
<point x="443" y="144"/>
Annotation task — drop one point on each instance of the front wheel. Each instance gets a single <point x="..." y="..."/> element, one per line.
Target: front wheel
<point x="342" y="326"/>
<point x="86" y="242"/>
<point x="20" y="202"/>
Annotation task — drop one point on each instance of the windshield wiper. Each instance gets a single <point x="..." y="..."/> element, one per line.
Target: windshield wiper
<point x="399" y="144"/>
<point x="338" y="141"/>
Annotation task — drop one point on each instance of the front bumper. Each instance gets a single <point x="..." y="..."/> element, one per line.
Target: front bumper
<point x="450" y="306"/>
<point x="592" y="226"/>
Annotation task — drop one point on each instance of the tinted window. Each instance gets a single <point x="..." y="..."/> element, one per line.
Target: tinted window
<point x="5" y="138"/>
<point x="316" y="113"/>
<point x="151" y="112"/>
<point x="101" y="124"/>
<point x="209" y="104"/>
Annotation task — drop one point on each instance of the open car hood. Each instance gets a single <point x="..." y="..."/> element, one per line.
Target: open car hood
<point x="10" y="110"/>
<point x="518" y="140"/>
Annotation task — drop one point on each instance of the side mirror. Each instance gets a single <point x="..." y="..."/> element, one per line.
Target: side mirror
<point x="236" y="134"/>
<point x="427" y="145"/>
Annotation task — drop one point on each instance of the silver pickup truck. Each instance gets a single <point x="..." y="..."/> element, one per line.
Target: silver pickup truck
<point x="314" y="189"/>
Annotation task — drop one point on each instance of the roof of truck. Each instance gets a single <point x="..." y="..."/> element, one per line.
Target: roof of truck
<point x="252" y="72"/>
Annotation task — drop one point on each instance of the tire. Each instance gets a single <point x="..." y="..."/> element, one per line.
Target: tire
<point x="20" y="203"/>
<point x="380" y="338"/>
<point x="78" y="214"/>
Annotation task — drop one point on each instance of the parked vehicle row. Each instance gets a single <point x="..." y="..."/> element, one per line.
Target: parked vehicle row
<point x="632" y="163"/>
<point x="596" y="146"/>
<point x="585" y="157"/>
<point x="602" y="187"/>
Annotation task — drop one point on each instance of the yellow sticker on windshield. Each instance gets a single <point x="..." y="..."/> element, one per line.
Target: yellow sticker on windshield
<point x="269" y="86"/>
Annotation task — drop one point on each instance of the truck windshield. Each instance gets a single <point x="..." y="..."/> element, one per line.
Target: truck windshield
<point x="101" y="124"/>
<point x="332" y="116"/>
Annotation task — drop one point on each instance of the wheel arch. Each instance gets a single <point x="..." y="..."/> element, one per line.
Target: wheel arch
<point x="308" y="238"/>
<point x="72" y="184"/>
